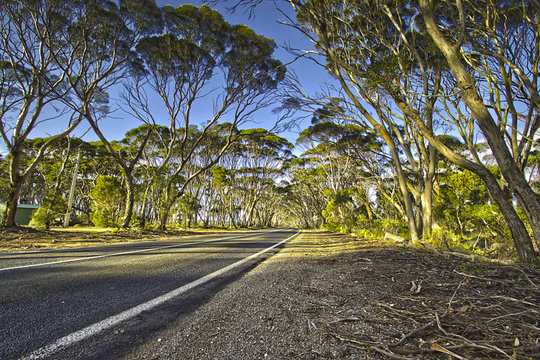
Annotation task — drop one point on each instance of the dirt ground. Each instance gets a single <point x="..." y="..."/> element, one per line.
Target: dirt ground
<point x="331" y="296"/>
<point x="26" y="238"/>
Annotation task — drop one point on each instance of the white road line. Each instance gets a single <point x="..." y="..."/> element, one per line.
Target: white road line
<point x="124" y="253"/>
<point x="109" y="322"/>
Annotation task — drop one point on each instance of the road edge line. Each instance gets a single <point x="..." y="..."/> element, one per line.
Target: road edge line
<point x="20" y="267"/>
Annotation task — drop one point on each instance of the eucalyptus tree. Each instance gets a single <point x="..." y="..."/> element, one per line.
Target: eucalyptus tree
<point x="424" y="61"/>
<point x="225" y="201"/>
<point x="496" y="44"/>
<point x="383" y="53"/>
<point x="106" y="195"/>
<point x="351" y="159"/>
<point x="305" y="201"/>
<point x="52" y="172"/>
<point x="58" y="54"/>
<point x="263" y="155"/>
<point x="30" y="80"/>
<point x="321" y="142"/>
<point x="219" y="197"/>
<point x="95" y="161"/>
<point x="200" y="59"/>
<point x="190" y="204"/>
<point x="360" y="101"/>
<point x="108" y="36"/>
<point x="127" y="153"/>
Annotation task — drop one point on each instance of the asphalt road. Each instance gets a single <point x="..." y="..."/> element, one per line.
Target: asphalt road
<point x="94" y="303"/>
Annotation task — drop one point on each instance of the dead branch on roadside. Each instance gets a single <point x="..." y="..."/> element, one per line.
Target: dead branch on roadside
<point x="499" y="321"/>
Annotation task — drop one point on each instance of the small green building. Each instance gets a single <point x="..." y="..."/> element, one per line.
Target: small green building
<point x="23" y="214"/>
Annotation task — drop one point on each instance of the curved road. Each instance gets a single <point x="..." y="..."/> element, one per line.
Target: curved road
<point x="90" y="303"/>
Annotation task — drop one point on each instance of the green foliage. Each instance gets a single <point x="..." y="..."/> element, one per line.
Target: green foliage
<point x="107" y="200"/>
<point x="471" y="224"/>
<point x="188" y="205"/>
<point x="51" y="208"/>
<point x="496" y="247"/>
<point x="375" y="229"/>
<point x="339" y="214"/>
<point x="4" y="184"/>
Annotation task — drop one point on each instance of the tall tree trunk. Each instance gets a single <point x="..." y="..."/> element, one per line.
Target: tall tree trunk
<point x="165" y="208"/>
<point x="427" y="195"/>
<point x="231" y="214"/>
<point x="142" y="215"/>
<point x="16" y="182"/>
<point x="527" y="199"/>
<point x="383" y="133"/>
<point x="164" y="217"/>
<point x="67" y="217"/>
<point x="522" y="241"/>
<point x="249" y="221"/>
<point x="8" y="217"/>
<point x="128" y="211"/>
<point x="407" y="199"/>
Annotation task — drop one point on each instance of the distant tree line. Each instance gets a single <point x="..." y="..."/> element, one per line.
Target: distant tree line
<point x="243" y="188"/>
<point x="59" y="61"/>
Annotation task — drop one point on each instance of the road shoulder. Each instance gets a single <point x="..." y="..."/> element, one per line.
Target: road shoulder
<point x="334" y="296"/>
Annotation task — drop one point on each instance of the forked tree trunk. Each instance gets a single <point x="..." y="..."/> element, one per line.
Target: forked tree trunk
<point x="526" y="197"/>
<point x="522" y="241"/>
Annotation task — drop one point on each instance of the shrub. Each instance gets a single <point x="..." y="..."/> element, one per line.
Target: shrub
<point x="51" y="208"/>
<point x="107" y="202"/>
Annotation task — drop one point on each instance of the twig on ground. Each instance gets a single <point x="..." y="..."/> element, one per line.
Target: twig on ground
<point x="388" y="353"/>
<point x="353" y="341"/>
<point x="352" y="318"/>
<point x="400" y="312"/>
<point x="439" y="348"/>
<point x="515" y="300"/>
<point x="509" y="315"/>
<point x="453" y="296"/>
<point x="411" y="333"/>
<point x="480" y="277"/>
<point x="533" y="284"/>
<point x="468" y="342"/>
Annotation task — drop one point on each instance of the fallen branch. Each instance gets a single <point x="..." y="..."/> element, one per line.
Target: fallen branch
<point x="399" y="312"/>
<point x="411" y="333"/>
<point x="353" y="318"/>
<point x="533" y="284"/>
<point x="353" y="341"/>
<point x="468" y="342"/>
<point x="510" y="315"/>
<point x="395" y="238"/>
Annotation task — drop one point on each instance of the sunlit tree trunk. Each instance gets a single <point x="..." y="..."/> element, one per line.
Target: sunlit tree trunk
<point x="427" y="194"/>
<point x="128" y="207"/>
<point x="526" y="197"/>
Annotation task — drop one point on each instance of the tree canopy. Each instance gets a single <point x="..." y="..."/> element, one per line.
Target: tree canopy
<point x="428" y="130"/>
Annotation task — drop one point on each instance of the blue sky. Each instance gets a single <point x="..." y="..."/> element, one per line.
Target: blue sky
<point x="265" y="22"/>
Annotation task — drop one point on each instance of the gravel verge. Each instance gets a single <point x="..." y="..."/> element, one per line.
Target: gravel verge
<point x="328" y="296"/>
